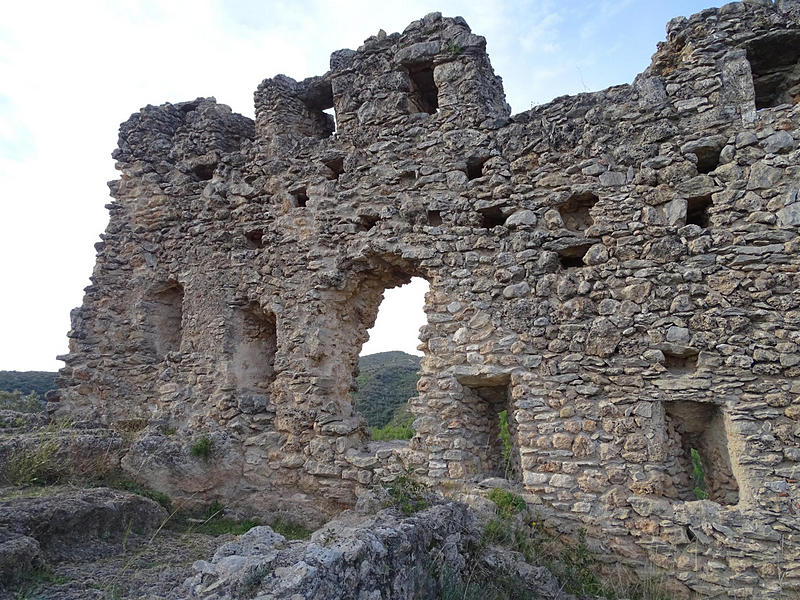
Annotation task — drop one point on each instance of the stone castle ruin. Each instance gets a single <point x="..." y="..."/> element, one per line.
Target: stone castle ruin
<point x="619" y="271"/>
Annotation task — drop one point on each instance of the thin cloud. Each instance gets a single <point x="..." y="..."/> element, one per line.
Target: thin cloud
<point x="71" y="74"/>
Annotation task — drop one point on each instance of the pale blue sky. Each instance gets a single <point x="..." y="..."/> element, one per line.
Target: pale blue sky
<point x="70" y="72"/>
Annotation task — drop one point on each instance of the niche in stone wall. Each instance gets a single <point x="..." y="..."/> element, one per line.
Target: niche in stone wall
<point x="434" y="218"/>
<point x="492" y="426"/>
<point x="680" y="364"/>
<point x="300" y="197"/>
<point x="475" y="167"/>
<point x="697" y="439"/>
<point x="254" y="343"/>
<point x="697" y="211"/>
<point x="576" y="211"/>
<point x="254" y="238"/>
<point x="318" y="100"/>
<point x="775" y="64"/>
<point x="163" y="310"/>
<point x="572" y="257"/>
<point x="423" y="94"/>
<point x="492" y="217"/>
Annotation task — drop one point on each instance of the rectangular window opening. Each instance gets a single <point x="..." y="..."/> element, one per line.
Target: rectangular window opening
<point x="775" y="64"/>
<point x="318" y="100"/>
<point x="697" y="211"/>
<point x="424" y="95"/>
<point x="335" y="165"/>
<point x="367" y="221"/>
<point x="475" y="168"/>
<point x="697" y="440"/>
<point x="707" y="158"/>
<point x="300" y="197"/>
<point x="495" y="427"/>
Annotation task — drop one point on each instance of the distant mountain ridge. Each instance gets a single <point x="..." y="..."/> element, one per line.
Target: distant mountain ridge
<point x="386" y="381"/>
<point x="27" y="381"/>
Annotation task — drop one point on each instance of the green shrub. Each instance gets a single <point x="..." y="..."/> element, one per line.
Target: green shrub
<point x="202" y="447"/>
<point x="18" y="402"/>
<point x="392" y="432"/>
<point x="399" y="428"/>
<point x="505" y="437"/>
<point x="508" y="504"/>
<point x="407" y="495"/>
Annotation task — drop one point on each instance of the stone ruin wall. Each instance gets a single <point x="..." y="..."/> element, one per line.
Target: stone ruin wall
<point x="618" y="269"/>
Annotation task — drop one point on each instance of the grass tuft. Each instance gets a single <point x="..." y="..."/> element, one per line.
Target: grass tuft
<point x="202" y="447"/>
<point x="508" y="504"/>
<point x="34" y="466"/>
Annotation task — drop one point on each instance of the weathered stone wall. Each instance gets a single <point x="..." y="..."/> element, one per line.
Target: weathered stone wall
<point x="618" y="269"/>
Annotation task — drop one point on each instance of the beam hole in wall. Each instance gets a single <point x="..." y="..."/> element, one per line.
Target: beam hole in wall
<point x="493" y="427"/>
<point x="423" y="95"/>
<point x="434" y="218"/>
<point x="707" y="158"/>
<point x="775" y="64"/>
<point x="300" y="198"/>
<point x="255" y="238"/>
<point x="697" y="211"/>
<point x="164" y="313"/>
<point x="576" y="211"/>
<point x="475" y="168"/>
<point x="336" y="166"/>
<point x="680" y="364"/>
<point x="706" y="472"/>
<point x="254" y="345"/>
<point x="492" y="217"/>
<point x="367" y="221"/>
<point x="204" y="172"/>
<point x="572" y="257"/>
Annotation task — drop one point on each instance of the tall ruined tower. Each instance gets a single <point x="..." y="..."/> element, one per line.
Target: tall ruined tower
<point x="618" y="270"/>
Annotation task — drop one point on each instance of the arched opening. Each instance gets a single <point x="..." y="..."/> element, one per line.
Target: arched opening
<point x="389" y="362"/>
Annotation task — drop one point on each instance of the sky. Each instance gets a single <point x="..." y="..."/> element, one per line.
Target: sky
<point x="71" y="72"/>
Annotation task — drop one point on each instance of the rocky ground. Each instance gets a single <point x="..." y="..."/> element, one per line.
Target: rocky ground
<point x="74" y="543"/>
<point x="72" y="528"/>
<point x="146" y="568"/>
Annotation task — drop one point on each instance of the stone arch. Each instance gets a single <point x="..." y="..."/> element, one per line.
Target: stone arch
<point x="356" y="313"/>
